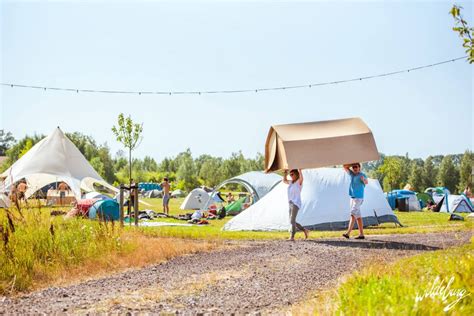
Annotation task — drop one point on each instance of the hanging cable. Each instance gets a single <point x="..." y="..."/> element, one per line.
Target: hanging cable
<point x="311" y="85"/>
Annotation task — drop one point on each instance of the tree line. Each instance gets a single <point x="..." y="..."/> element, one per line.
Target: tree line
<point x="187" y="172"/>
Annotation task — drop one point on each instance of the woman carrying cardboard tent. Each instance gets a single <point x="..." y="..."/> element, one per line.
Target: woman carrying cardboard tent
<point x="318" y="144"/>
<point x="294" y="200"/>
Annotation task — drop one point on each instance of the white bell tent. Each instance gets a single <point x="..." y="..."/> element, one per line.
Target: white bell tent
<point x="325" y="205"/>
<point x="55" y="158"/>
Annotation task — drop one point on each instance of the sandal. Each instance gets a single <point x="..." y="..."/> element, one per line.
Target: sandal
<point x="346" y="235"/>
<point x="360" y="237"/>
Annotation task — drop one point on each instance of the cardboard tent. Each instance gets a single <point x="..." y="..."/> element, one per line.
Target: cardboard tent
<point x="325" y="205"/>
<point x="55" y="158"/>
<point x="319" y="144"/>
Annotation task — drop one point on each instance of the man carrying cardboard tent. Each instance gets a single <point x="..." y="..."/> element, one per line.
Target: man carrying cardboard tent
<point x="320" y="144"/>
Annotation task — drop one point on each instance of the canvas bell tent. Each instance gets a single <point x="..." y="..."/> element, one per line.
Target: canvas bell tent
<point x="325" y="205"/>
<point x="257" y="183"/>
<point x="451" y="203"/>
<point x="55" y="158"/>
<point x="319" y="144"/>
<point x="195" y="200"/>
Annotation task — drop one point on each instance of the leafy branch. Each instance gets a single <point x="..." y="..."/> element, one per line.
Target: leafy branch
<point x="464" y="31"/>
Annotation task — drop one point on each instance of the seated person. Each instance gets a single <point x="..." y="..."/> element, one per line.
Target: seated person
<point x="196" y="217"/>
<point x="230" y="198"/>
<point x="467" y="192"/>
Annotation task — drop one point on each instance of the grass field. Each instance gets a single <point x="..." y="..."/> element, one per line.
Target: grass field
<point x="411" y="286"/>
<point x="414" y="222"/>
<point x="37" y="249"/>
<point x="42" y="249"/>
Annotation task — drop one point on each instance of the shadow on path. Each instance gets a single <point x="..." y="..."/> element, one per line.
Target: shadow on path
<point x="375" y="244"/>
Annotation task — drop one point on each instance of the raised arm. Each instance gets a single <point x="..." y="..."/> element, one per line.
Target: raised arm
<point x="300" y="180"/>
<point x="346" y="168"/>
<point x="285" y="177"/>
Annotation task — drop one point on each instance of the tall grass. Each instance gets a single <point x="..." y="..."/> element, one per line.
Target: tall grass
<point x="37" y="248"/>
<point x="392" y="289"/>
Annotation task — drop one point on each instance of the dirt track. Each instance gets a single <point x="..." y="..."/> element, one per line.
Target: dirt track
<point x="254" y="277"/>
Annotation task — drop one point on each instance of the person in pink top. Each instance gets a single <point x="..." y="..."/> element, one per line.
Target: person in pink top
<point x="294" y="199"/>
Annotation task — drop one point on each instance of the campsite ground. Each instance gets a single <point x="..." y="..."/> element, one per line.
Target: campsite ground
<point x="413" y="222"/>
<point x="227" y="271"/>
<point x="246" y="277"/>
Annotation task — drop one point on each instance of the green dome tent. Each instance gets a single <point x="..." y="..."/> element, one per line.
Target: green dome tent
<point x="235" y="207"/>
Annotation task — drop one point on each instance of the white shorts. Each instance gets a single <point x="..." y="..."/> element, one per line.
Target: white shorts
<point x="355" y="207"/>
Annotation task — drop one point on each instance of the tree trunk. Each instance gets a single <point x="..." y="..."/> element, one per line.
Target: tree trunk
<point x="130" y="166"/>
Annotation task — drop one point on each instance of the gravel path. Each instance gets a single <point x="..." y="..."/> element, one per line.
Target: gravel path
<point x="252" y="277"/>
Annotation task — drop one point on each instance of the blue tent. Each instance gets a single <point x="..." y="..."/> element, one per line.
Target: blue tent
<point x="107" y="209"/>
<point x="403" y="200"/>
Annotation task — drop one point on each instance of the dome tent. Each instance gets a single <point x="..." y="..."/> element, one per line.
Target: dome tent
<point x="55" y="158"/>
<point x="451" y="203"/>
<point x="325" y="205"/>
<point x="257" y="183"/>
<point x="195" y="200"/>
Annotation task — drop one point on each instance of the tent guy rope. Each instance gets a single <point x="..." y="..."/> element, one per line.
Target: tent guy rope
<point x="311" y="85"/>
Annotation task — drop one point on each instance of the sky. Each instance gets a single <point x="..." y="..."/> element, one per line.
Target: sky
<point x="169" y="46"/>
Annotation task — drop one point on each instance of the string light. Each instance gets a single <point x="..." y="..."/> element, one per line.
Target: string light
<point x="311" y="85"/>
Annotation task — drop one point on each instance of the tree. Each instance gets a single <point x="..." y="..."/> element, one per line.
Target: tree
<point x="448" y="176"/>
<point x="20" y="148"/>
<point x="211" y="172"/>
<point x="28" y="145"/>
<point x="233" y="166"/>
<point x="465" y="32"/>
<point x="466" y="168"/>
<point x="430" y="173"/>
<point x="6" y="141"/>
<point x="149" y="164"/>
<point x="391" y="169"/>
<point x="128" y="133"/>
<point x="108" y="171"/>
<point x="98" y="166"/>
<point x="86" y="144"/>
<point x="186" y="174"/>
<point x="406" y="169"/>
<point x="416" y="175"/>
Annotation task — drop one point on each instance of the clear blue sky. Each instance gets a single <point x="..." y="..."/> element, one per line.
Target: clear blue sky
<point x="232" y="45"/>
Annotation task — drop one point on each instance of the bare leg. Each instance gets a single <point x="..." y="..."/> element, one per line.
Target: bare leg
<point x="351" y="224"/>
<point x="361" y="226"/>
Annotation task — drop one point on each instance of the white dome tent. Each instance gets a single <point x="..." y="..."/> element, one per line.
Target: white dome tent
<point x="195" y="200"/>
<point x="325" y="205"/>
<point x="55" y="158"/>
<point x="452" y="203"/>
<point x="257" y="183"/>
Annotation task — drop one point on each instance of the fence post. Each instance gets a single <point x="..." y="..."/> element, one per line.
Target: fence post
<point x="121" y="205"/>
<point x="135" y="206"/>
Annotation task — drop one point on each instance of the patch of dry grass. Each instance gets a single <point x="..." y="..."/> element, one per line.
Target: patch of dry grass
<point x="143" y="250"/>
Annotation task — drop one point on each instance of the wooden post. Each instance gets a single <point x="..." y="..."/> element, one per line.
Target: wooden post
<point x="121" y="205"/>
<point x="135" y="206"/>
